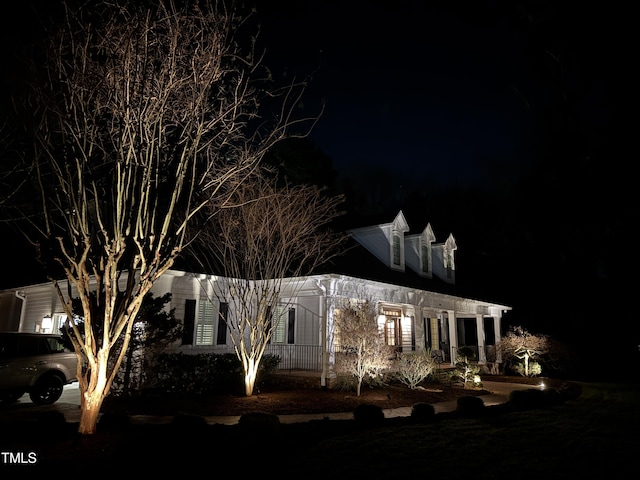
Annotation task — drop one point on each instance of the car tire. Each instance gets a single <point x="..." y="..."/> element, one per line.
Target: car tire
<point x="47" y="390"/>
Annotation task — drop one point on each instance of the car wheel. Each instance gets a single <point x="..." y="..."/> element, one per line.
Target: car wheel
<point x="47" y="390"/>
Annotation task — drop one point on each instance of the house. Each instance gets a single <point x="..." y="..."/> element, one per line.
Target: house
<point x="410" y="277"/>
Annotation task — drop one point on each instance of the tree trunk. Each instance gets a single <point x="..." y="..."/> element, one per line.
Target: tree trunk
<point x="250" y="374"/>
<point x="93" y="390"/>
<point x="89" y="414"/>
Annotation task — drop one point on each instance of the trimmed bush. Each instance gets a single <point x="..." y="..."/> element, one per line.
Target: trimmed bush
<point x="113" y="422"/>
<point x="529" y="398"/>
<point x="368" y="415"/>
<point x="553" y="397"/>
<point x="264" y="423"/>
<point x="470" y="406"/>
<point x="570" y="390"/>
<point x="423" y="412"/>
<point x="206" y="373"/>
<point x="184" y="420"/>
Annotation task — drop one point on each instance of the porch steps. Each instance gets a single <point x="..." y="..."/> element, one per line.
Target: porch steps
<point x="443" y="375"/>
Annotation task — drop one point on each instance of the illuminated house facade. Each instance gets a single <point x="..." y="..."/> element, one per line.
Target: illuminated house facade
<point x="410" y="277"/>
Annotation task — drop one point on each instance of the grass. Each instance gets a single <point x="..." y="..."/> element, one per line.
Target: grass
<point x="593" y="436"/>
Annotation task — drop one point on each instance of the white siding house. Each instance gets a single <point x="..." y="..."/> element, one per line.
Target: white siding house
<point x="415" y="304"/>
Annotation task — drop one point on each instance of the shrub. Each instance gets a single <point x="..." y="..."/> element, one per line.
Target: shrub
<point x="113" y="422"/>
<point x="570" y="390"/>
<point x="188" y="421"/>
<point x="263" y="423"/>
<point x="413" y="368"/>
<point x="268" y="365"/>
<point x="529" y="398"/>
<point x="206" y="372"/>
<point x="368" y="415"/>
<point x="199" y="373"/>
<point x="465" y="370"/>
<point x="345" y="383"/>
<point x="423" y="412"/>
<point x="533" y="369"/>
<point x="552" y="396"/>
<point x="470" y="405"/>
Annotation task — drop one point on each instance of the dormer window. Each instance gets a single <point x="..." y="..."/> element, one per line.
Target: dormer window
<point x="425" y="258"/>
<point x="387" y="243"/>
<point x="448" y="263"/>
<point x="423" y="263"/>
<point x="396" y="232"/>
<point x="396" y="244"/>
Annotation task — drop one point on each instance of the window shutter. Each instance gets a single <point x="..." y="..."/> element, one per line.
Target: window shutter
<point x="204" y="328"/>
<point x="291" y="326"/>
<point x="279" y="324"/>
<point x="189" y="319"/>
<point x="223" y="311"/>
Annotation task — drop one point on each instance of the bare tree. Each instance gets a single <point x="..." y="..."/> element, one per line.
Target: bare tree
<point x="523" y="350"/>
<point x="140" y="117"/>
<point x="264" y="240"/>
<point x="362" y="351"/>
<point x="413" y="368"/>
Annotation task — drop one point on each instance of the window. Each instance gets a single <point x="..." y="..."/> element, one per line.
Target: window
<point x="425" y="255"/>
<point x="396" y="248"/>
<point x="448" y="263"/>
<point x="283" y="320"/>
<point x="56" y="345"/>
<point x="53" y="324"/>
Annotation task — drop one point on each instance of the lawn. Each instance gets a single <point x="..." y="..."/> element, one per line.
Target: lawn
<point x="594" y="436"/>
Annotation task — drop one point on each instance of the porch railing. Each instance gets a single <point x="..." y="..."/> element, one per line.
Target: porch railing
<point x="297" y="357"/>
<point x="292" y="357"/>
<point x="489" y="353"/>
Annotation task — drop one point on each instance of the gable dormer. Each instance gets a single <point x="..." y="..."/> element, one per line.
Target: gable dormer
<point x="398" y="228"/>
<point x="419" y="257"/>
<point x="444" y="265"/>
<point x="385" y="241"/>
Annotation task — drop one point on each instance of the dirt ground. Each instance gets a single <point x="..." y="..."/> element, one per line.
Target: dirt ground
<point x="283" y="398"/>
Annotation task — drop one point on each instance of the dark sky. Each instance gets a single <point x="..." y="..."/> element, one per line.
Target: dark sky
<point x="423" y="91"/>
<point x="441" y="91"/>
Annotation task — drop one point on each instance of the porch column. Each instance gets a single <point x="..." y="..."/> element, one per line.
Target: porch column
<point x="497" y="325"/>
<point x="453" y="335"/>
<point x="482" y="354"/>
<point x="327" y="307"/>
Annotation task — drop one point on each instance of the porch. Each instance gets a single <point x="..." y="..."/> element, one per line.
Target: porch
<point x="295" y="358"/>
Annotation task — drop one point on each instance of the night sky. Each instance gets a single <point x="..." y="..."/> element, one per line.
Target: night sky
<point x="425" y="92"/>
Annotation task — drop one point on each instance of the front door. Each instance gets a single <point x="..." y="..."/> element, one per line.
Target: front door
<point x="393" y="332"/>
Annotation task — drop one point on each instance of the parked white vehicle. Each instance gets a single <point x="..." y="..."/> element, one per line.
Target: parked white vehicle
<point x="35" y="363"/>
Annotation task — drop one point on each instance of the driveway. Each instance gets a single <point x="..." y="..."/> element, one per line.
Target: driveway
<point x="25" y="409"/>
